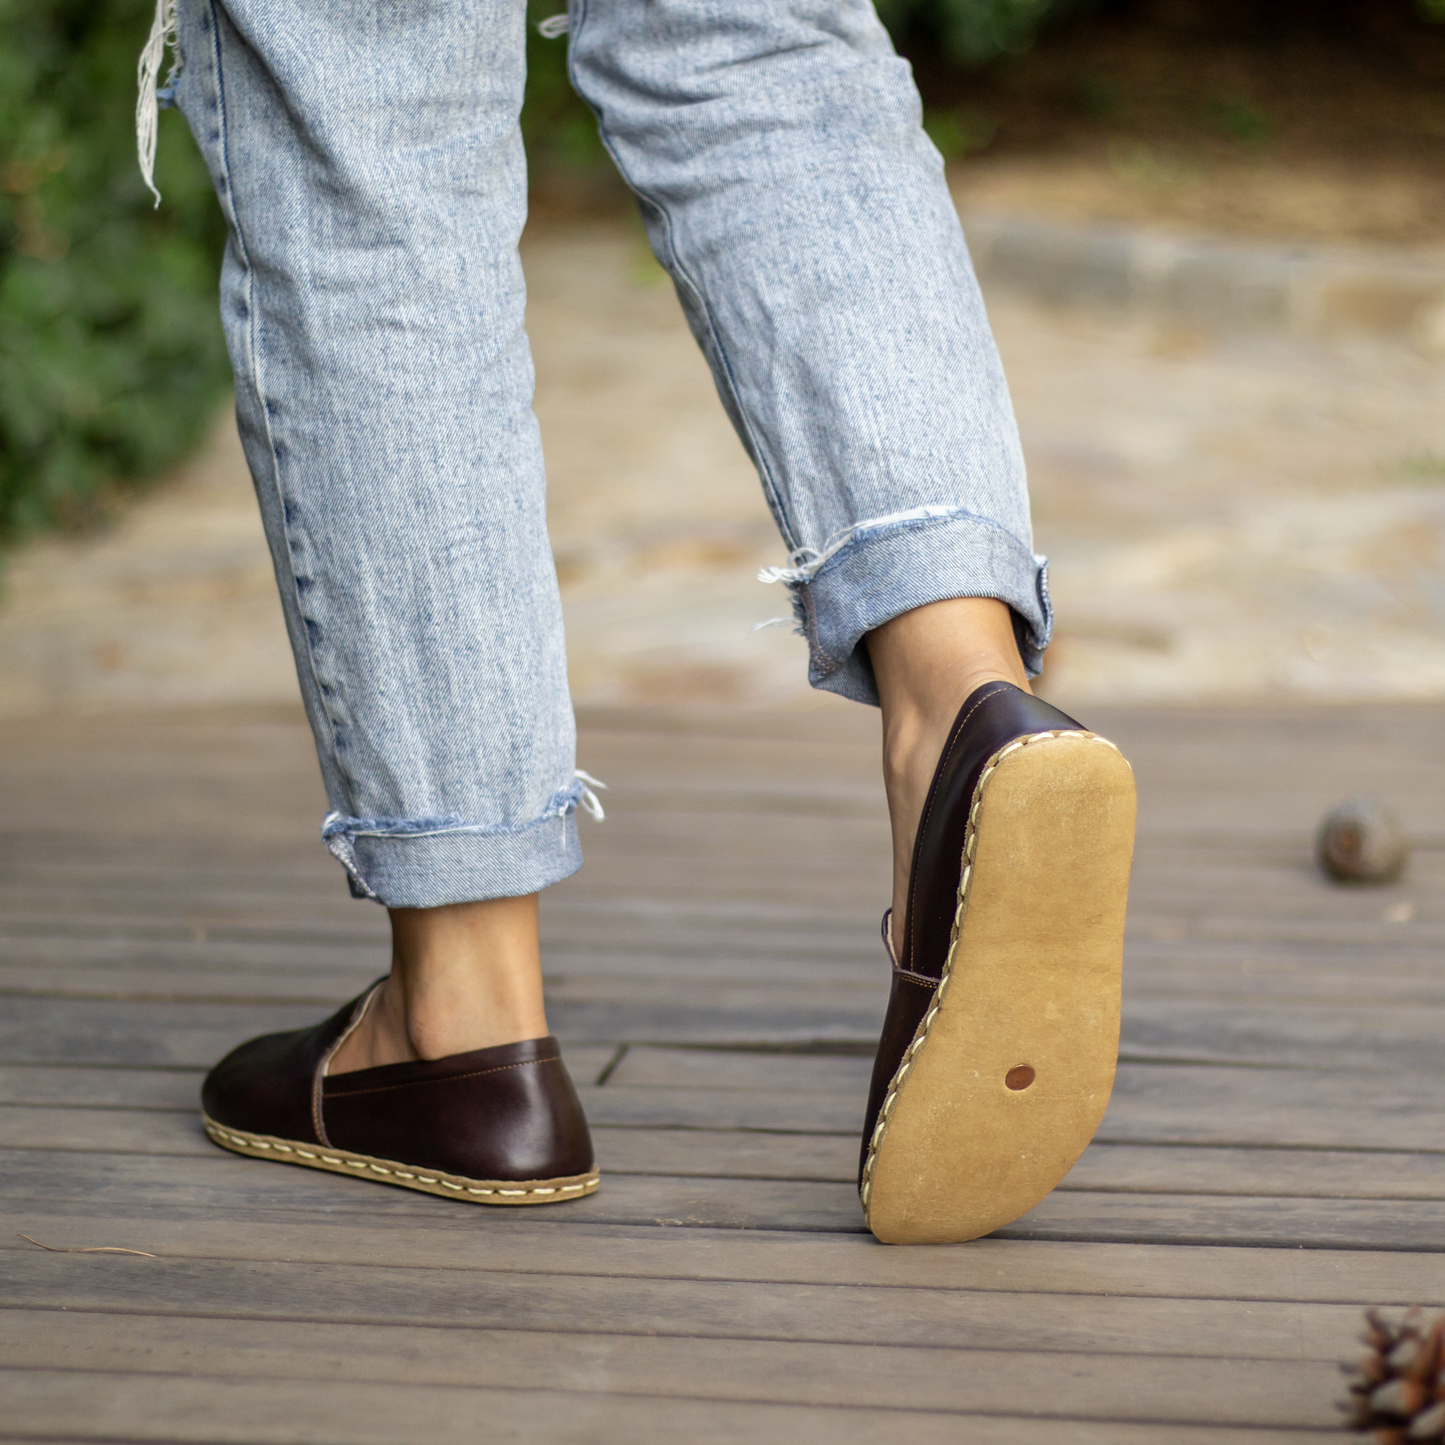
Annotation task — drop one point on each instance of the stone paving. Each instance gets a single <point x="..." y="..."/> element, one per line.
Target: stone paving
<point x="1229" y="516"/>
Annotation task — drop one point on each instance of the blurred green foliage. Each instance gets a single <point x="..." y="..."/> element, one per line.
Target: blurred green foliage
<point x="559" y="130"/>
<point x="111" y="358"/>
<point x="112" y="361"/>
<point x="959" y="131"/>
<point x="973" y="32"/>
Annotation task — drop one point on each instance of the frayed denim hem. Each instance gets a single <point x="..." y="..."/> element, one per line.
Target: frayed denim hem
<point x="879" y="569"/>
<point x="428" y="862"/>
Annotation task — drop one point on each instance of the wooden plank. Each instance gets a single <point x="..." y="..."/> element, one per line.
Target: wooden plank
<point x="691" y="926"/>
<point x="41" y="1030"/>
<point x="1386" y="1038"/>
<point x="1168" y="1103"/>
<point x="1243" y="1391"/>
<point x="92" y="1406"/>
<point x="455" y="1240"/>
<point x="88" y="1087"/>
<point x="1033" y="1323"/>
<point x="140" y="972"/>
<point x="807" y="1094"/>
<point x="1318" y="1108"/>
<point x="713" y="1154"/>
<point x="38" y="1181"/>
<point x="1402" y="981"/>
<point x="1258" y="1173"/>
<point x="1181" y="883"/>
<point x="265" y="947"/>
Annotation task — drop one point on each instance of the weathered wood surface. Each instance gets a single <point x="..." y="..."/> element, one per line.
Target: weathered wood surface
<point x="1273" y="1159"/>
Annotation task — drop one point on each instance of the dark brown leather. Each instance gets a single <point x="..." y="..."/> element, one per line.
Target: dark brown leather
<point x="504" y="1113"/>
<point x="992" y="717"/>
<point x="508" y="1112"/>
<point x="266" y="1085"/>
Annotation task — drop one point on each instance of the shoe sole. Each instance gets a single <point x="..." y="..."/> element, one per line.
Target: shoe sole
<point x="406" y="1176"/>
<point x="966" y="1142"/>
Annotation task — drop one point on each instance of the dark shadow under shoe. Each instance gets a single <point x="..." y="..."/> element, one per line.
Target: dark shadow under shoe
<point x="998" y="1049"/>
<point x="494" y="1126"/>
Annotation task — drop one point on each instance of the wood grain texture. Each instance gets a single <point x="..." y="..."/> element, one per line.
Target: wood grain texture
<point x="1273" y="1158"/>
<point x="725" y="1309"/>
<point x="999" y="1380"/>
<point x="103" y="1407"/>
<point x="450" y="1239"/>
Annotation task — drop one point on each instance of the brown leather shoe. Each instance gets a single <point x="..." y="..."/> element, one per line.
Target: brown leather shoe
<point x="494" y="1126"/>
<point x="998" y="1049"/>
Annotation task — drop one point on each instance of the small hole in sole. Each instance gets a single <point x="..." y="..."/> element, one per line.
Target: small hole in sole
<point x="1019" y="1077"/>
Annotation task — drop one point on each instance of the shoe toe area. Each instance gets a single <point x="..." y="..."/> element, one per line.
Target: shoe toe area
<point x="264" y="1087"/>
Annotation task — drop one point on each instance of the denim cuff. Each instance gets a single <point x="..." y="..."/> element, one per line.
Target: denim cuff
<point x="880" y="569"/>
<point x="425" y="863"/>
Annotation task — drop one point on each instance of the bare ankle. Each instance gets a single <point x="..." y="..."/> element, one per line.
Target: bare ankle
<point x="927" y="664"/>
<point x="464" y="976"/>
<point x="380" y="1038"/>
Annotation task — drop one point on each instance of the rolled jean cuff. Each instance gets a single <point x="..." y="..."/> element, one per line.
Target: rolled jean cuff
<point x="429" y="862"/>
<point x="880" y="569"/>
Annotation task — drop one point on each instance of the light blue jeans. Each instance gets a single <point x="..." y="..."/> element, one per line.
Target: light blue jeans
<point x="370" y="166"/>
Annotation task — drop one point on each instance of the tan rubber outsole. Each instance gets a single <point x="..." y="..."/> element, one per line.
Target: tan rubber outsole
<point x="965" y="1141"/>
<point x="407" y="1176"/>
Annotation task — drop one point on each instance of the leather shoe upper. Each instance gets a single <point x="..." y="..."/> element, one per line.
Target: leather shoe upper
<point x="507" y="1113"/>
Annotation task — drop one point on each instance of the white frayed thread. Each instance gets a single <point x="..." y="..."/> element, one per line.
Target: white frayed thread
<point x="338" y="831"/>
<point x="805" y="563"/>
<point x="338" y="844"/>
<point x="589" y="799"/>
<point x="147" y="105"/>
<point x="554" y="26"/>
<point x="772" y="622"/>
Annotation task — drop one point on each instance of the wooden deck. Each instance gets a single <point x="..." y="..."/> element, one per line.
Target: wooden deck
<point x="1274" y="1157"/>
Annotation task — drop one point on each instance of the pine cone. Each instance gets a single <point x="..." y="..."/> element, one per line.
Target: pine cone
<point x="1398" y="1387"/>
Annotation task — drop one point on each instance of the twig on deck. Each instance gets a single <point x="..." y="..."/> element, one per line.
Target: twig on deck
<point x="92" y="1249"/>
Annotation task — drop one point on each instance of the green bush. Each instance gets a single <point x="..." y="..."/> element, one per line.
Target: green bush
<point x="972" y="32"/>
<point x="559" y="129"/>
<point x="111" y="358"/>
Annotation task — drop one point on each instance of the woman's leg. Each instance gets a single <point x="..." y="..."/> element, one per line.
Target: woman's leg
<point x="789" y="188"/>
<point x="370" y="166"/>
<point x="926" y="663"/>
<point x="777" y="149"/>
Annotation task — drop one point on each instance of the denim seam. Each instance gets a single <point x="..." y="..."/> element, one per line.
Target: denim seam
<point x="337" y="825"/>
<point x="843" y="548"/>
<point x="254" y="348"/>
<point x="680" y="272"/>
<point x="339" y="832"/>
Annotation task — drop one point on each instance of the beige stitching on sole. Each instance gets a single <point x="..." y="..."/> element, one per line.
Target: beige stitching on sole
<point x="921" y="1036"/>
<point x="491" y="1191"/>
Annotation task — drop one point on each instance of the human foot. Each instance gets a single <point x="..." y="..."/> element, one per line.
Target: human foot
<point x="927" y="662"/>
<point x="998" y="1048"/>
<point x="464" y="976"/>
